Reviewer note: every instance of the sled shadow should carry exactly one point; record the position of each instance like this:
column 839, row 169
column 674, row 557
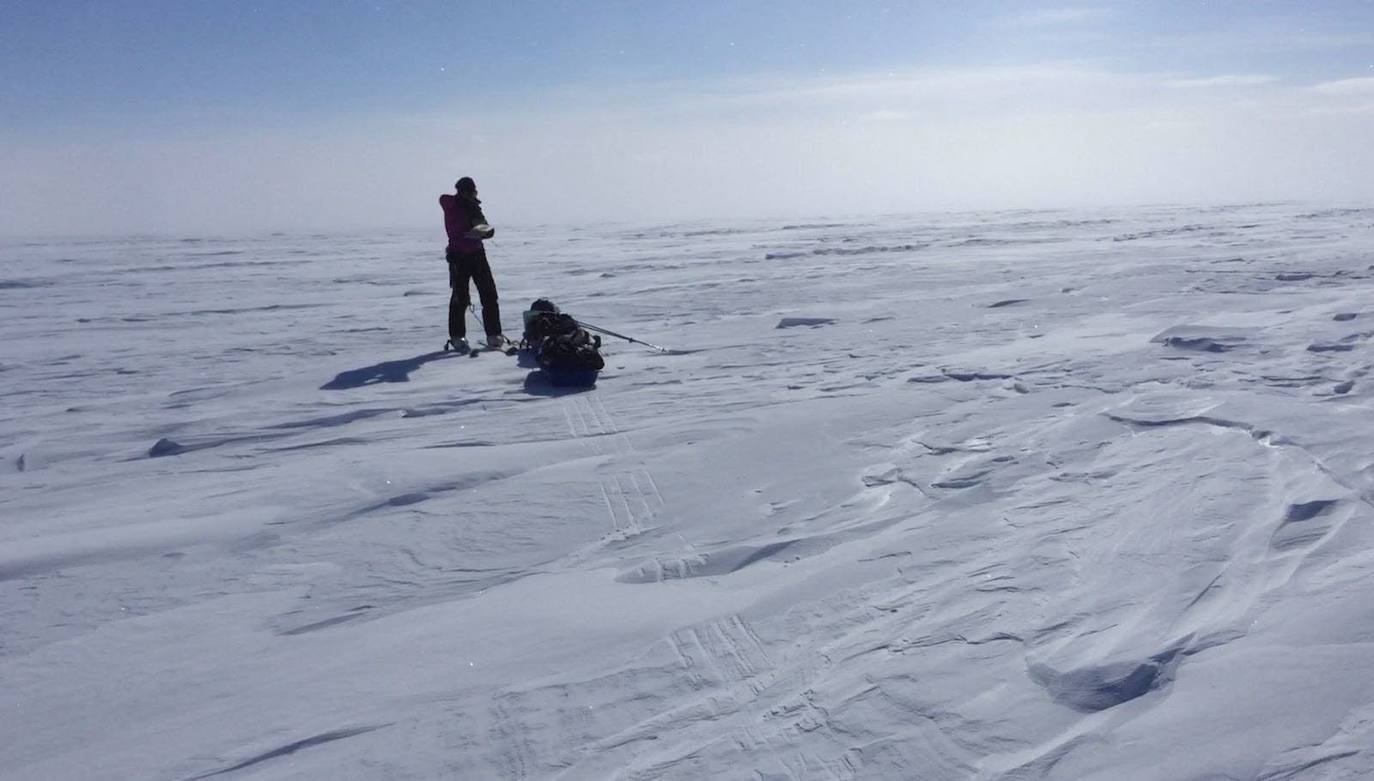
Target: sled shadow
column 386, row 371
column 536, row 384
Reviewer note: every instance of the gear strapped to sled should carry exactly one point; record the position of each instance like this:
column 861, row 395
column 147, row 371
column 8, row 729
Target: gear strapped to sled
column 567, row 353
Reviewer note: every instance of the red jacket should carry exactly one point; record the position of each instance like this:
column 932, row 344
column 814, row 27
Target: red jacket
column 460, row 215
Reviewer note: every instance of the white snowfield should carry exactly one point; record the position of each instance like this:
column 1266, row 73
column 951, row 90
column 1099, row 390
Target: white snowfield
column 1014, row 495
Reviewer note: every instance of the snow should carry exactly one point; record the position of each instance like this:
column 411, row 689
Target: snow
column 1069, row 495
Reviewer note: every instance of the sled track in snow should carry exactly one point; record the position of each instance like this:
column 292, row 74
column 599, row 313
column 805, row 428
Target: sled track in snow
column 632, row 500
column 632, row 497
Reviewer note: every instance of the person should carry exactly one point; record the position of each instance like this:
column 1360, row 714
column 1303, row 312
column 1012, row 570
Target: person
column 467, row 262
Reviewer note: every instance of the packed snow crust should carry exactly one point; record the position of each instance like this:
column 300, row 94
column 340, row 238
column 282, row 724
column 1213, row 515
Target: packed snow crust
column 1033, row 494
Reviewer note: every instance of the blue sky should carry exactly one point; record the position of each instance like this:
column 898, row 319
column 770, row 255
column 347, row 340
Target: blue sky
column 190, row 109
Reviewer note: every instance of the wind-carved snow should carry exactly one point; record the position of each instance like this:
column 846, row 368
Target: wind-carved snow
column 1013, row 495
column 793, row 322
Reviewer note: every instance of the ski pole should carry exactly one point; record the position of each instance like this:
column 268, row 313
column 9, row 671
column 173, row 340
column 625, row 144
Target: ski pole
column 609, row 332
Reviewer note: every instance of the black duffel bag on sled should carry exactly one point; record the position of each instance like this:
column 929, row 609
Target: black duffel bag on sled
column 566, row 352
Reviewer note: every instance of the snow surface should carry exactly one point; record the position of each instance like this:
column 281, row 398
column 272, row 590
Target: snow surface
column 989, row 495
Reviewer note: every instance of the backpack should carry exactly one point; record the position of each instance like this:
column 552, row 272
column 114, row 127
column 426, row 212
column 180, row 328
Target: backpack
column 542, row 325
column 542, row 319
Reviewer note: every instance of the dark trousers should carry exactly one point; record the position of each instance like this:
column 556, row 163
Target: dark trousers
column 465, row 267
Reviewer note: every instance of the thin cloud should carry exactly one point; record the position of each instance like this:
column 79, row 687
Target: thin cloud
column 884, row 115
column 1048, row 17
column 1247, row 42
column 1224, row 81
column 1358, row 86
column 923, row 91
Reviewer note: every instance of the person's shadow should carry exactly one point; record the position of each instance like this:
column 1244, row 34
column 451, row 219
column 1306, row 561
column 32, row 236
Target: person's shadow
column 386, row 371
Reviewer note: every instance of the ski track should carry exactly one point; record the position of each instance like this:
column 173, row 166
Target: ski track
column 1013, row 495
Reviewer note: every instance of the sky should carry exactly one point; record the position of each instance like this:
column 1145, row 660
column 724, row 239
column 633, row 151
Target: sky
column 204, row 117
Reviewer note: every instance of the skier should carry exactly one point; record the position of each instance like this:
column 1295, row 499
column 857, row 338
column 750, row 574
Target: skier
column 467, row 261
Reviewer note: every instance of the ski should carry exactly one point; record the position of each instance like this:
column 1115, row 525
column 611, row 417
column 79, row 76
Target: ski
column 450, row 347
column 476, row 351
